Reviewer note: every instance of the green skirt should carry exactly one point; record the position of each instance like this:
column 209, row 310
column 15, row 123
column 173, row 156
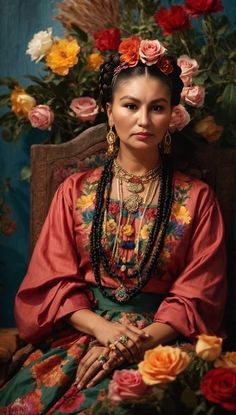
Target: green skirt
column 46, row 383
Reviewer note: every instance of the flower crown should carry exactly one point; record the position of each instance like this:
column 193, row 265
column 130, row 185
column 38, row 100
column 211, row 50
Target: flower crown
column 150, row 52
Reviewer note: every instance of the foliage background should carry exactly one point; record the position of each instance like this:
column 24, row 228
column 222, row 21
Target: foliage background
column 20, row 20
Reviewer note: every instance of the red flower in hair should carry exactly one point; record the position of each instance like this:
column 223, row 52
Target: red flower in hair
column 108, row 39
column 165, row 65
column 172, row 20
column 198, row 7
column 129, row 50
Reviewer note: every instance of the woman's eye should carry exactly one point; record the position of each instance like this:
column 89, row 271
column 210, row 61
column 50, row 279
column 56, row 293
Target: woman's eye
column 157, row 108
column 130, row 106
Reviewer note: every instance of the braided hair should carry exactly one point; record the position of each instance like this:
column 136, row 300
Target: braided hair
column 109, row 81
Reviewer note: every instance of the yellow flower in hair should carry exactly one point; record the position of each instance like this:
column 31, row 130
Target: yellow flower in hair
column 128, row 230
column 145, row 231
column 21, row 102
column 62, row 56
column 181, row 213
column 94, row 61
column 111, row 226
column 85, row 201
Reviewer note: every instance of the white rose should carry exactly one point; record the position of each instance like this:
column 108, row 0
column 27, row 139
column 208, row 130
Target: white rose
column 40, row 44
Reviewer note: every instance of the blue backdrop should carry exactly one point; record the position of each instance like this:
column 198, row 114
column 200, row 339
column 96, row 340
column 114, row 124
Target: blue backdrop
column 20, row 19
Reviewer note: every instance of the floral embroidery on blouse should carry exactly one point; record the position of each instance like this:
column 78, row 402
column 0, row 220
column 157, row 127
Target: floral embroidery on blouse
column 179, row 219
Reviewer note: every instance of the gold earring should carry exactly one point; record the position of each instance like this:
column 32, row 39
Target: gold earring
column 167, row 143
column 111, row 139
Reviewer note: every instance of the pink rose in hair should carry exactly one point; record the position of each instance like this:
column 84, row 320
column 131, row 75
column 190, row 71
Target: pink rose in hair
column 194, row 95
column 126, row 384
column 150, row 51
column 41, row 117
column 179, row 118
column 189, row 68
column 85, row 108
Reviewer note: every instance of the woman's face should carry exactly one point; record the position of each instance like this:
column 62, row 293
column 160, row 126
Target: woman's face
column 140, row 112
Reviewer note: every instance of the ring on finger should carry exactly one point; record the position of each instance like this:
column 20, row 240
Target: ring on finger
column 123, row 339
column 102, row 359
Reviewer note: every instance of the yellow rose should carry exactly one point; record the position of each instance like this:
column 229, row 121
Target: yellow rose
column 208, row 128
column 145, row 232
column 162, row 364
column 21, row 102
column 128, row 230
column 62, row 56
column 85, row 201
column 94, row 62
column 208, row 347
column 181, row 213
column 226, row 360
column 111, row 226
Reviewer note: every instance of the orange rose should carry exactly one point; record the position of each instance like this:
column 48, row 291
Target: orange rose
column 21, row 102
column 208, row 128
column 162, row 364
column 129, row 49
column 208, row 347
column 226, row 360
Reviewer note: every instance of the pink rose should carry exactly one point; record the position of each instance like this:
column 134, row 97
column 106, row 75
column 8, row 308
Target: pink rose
column 194, row 95
column 179, row 118
column 189, row 68
column 126, row 384
column 150, row 51
column 41, row 117
column 85, row 108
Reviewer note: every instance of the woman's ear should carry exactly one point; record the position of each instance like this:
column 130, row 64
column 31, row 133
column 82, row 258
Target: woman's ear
column 109, row 114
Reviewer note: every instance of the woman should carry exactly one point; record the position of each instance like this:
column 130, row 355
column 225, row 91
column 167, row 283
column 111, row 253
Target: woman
column 131, row 254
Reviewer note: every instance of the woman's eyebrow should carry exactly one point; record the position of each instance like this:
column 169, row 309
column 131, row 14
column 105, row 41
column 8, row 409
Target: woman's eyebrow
column 136, row 99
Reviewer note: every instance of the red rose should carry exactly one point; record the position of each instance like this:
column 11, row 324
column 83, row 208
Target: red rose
column 198, row 7
column 219, row 386
column 172, row 20
column 107, row 39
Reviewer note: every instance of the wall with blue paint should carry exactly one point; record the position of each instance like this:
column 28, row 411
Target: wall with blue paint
column 19, row 20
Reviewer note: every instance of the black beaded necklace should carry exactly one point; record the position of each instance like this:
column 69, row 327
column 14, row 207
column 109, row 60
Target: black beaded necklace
column 155, row 241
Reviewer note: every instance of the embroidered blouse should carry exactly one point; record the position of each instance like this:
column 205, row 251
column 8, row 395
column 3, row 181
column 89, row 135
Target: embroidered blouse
column 190, row 272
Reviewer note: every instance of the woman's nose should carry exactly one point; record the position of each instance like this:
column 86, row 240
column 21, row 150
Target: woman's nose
column 143, row 117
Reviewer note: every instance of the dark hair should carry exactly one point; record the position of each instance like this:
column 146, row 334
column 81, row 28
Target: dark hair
column 108, row 82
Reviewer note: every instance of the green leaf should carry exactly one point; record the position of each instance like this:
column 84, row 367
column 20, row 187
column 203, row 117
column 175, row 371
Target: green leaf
column 9, row 81
column 25, row 173
column 228, row 103
column 81, row 34
column 4, row 99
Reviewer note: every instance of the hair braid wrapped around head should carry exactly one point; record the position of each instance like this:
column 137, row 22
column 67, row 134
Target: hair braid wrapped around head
column 115, row 69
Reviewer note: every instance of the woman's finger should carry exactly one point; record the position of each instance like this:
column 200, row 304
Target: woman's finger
column 91, row 366
column 111, row 364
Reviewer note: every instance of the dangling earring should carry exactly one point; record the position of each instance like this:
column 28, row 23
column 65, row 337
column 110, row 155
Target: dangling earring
column 167, row 143
column 111, row 139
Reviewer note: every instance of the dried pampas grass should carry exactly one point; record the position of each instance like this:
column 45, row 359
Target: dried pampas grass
column 89, row 16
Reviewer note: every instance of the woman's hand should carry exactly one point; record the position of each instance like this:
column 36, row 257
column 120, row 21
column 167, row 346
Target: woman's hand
column 125, row 338
column 96, row 365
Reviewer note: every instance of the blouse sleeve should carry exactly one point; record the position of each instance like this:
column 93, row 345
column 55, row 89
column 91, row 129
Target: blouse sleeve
column 53, row 286
column 196, row 301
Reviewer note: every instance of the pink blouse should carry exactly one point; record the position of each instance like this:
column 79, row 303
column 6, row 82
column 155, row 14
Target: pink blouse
column 190, row 270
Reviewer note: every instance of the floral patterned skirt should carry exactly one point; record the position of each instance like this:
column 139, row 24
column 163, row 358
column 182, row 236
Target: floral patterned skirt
column 46, row 383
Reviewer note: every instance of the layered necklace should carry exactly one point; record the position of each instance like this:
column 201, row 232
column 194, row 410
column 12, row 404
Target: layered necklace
column 144, row 265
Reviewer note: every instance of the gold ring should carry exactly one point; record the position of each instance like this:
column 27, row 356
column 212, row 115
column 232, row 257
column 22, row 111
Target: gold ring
column 123, row 339
column 102, row 359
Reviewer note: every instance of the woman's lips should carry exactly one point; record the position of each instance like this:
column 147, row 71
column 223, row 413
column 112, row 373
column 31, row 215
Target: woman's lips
column 143, row 136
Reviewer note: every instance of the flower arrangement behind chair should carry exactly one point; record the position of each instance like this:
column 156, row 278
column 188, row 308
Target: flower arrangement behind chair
column 65, row 100
column 186, row 380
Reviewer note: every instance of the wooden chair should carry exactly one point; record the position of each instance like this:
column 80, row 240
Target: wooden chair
column 51, row 164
